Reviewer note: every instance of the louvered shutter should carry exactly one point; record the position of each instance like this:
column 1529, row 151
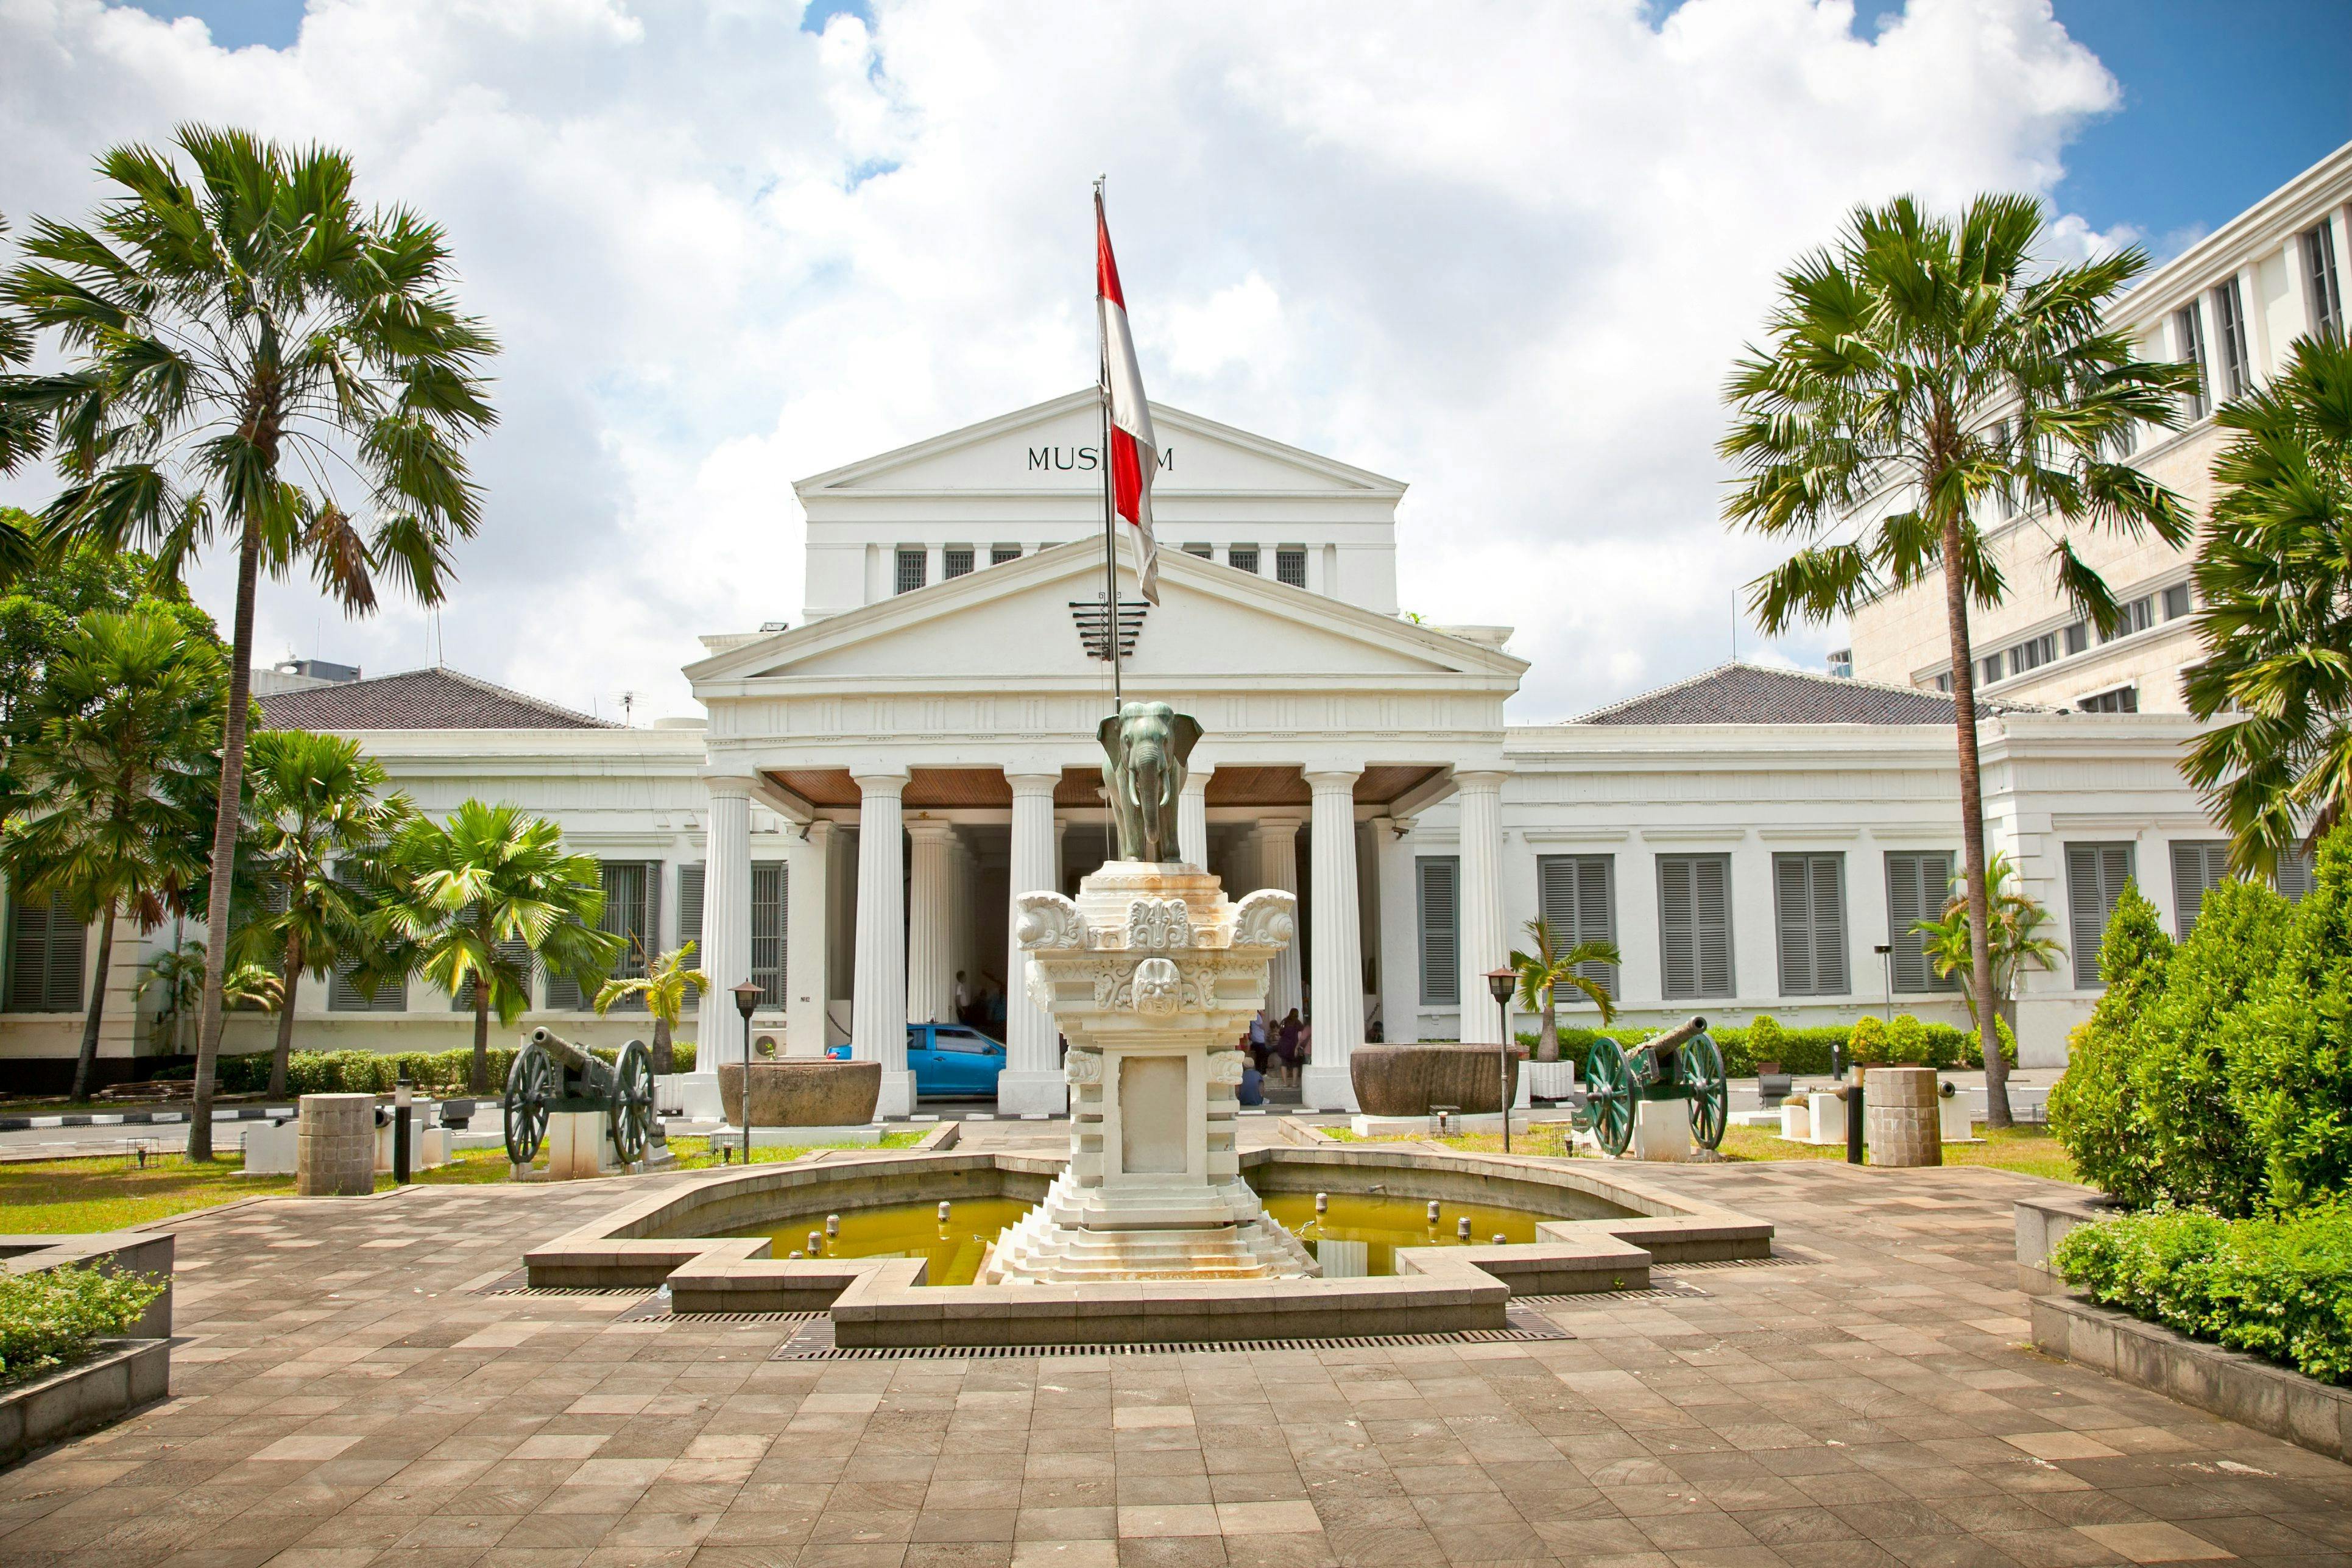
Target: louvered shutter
column 1917, row 882
column 1712, row 884
column 2196, row 865
column 1695, row 925
column 1578, row 895
column 689, row 908
column 342, row 996
column 1809, row 910
column 632, row 912
column 2293, row 876
column 1439, row 886
column 2096, row 875
column 769, row 881
column 515, row 951
column 46, row 955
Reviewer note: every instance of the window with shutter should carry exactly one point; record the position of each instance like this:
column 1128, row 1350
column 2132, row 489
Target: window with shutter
column 2198, row 864
column 1439, row 880
column 2292, row 876
column 769, row 881
column 1809, row 910
column 1290, row 567
column 689, row 908
column 46, row 955
column 1694, row 926
column 956, row 561
column 2095, row 876
column 342, row 996
column 1917, row 883
column 632, row 913
column 913, row 567
column 998, row 555
column 1577, row 894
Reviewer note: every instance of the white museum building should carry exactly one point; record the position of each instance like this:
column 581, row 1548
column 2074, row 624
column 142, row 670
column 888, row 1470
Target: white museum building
column 875, row 781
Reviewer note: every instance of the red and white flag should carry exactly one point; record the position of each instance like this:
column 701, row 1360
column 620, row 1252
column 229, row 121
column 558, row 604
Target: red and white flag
column 1134, row 454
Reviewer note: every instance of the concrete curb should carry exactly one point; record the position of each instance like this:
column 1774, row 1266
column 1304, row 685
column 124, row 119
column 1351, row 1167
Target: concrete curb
column 125, row 1375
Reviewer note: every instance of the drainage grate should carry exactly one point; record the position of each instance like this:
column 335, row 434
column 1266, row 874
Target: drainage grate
column 656, row 1309
column 518, row 1284
column 1776, row 1260
column 1661, row 1290
column 813, row 1342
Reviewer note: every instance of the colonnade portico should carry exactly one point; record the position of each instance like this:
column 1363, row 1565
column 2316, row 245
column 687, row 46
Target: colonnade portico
column 941, row 852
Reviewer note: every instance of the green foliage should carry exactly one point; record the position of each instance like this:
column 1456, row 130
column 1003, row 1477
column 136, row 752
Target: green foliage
column 2275, row 583
column 2094, row 1108
column 1868, row 1042
column 1767, row 1040
column 2015, row 935
column 2279, row 1289
column 375, row 1072
column 50, row 1316
column 1907, row 1041
column 1551, row 965
column 1801, row 1052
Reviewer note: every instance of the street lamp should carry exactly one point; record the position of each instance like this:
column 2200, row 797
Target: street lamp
column 747, row 997
column 1501, row 983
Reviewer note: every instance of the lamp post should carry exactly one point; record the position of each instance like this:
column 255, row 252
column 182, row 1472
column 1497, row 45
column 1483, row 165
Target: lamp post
column 1501, row 983
column 747, row 997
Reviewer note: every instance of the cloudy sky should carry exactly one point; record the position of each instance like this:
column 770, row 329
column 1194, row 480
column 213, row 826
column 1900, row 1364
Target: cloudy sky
column 1503, row 252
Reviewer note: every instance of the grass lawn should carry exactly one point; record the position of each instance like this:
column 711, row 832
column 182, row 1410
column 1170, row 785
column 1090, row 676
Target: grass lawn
column 2027, row 1149
column 110, row 1191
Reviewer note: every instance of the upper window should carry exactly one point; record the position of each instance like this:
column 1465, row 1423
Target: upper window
column 1809, row 910
column 632, row 913
column 2138, row 617
column 2237, row 363
column 956, row 561
column 998, row 555
column 2189, row 347
column 2320, row 279
column 2034, row 653
column 1917, row 882
column 1242, row 558
column 1204, row 551
column 1578, row 897
column 2078, row 637
column 1694, row 926
column 2176, row 601
column 769, row 883
column 1944, row 682
column 2122, row 699
column 2097, row 875
column 2293, row 876
column 1989, row 669
column 44, row 957
column 1439, row 889
column 914, row 567
column 1290, row 566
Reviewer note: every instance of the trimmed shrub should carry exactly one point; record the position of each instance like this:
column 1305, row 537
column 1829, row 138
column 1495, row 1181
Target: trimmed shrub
column 2288, row 1049
column 2279, row 1288
column 1866, row 1042
column 2093, row 1108
column 1907, row 1041
column 51, row 1315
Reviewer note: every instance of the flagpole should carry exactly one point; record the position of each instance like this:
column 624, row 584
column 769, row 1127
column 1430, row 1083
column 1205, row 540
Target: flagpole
column 1111, row 505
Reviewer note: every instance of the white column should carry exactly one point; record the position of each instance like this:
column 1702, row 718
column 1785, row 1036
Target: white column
column 726, row 951
column 1278, row 867
column 877, row 1031
column 1479, row 796
column 1338, row 955
column 928, row 934
column 806, row 938
column 1031, row 1081
column 1192, row 816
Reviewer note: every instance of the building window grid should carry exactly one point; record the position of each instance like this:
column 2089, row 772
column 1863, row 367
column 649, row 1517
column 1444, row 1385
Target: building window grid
column 1242, row 558
column 47, row 951
column 1290, row 566
column 2198, row 865
column 1577, row 894
column 1437, row 886
column 632, row 913
column 2189, row 347
column 2121, row 699
column 1201, row 550
column 1809, row 909
column 956, row 561
column 2034, row 653
column 2320, row 277
column 2230, row 314
column 914, row 568
column 769, row 883
column 998, row 555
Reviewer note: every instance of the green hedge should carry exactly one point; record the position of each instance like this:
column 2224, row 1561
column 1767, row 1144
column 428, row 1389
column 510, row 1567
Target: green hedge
column 50, row 1316
column 2279, row 1288
column 1805, row 1052
column 374, row 1073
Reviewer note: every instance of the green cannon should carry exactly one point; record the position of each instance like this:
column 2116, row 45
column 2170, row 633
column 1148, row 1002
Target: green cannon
column 1683, row 1063
column 553, row 1074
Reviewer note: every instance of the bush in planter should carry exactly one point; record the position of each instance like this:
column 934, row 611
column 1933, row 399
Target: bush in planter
column 52, row 1315
column 2094, row 1108
column 2279, row 1289
column 1906, row 1042
column 1866, row 1042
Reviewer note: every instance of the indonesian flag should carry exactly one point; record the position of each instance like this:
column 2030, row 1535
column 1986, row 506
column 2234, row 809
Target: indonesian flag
column 1134, row 454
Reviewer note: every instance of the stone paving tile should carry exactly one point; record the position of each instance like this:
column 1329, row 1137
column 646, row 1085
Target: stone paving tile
column 341, row 1404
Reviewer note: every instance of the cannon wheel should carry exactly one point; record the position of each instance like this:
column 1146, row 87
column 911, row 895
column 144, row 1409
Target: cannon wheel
column 629, row 1106
column 1700, row 1072
column 530, row 1087
column 1609, row 1095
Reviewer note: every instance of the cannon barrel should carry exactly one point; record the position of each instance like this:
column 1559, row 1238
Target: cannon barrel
column 591, row 1069
column 1677, row 1034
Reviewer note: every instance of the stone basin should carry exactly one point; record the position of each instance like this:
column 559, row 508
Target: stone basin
column 1407, row 1080
column 811, row 1093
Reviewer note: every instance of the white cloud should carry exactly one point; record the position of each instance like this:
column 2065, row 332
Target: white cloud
column 1503, row 252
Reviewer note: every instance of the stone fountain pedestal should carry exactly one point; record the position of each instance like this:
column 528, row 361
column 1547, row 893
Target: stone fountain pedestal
column 1152, row 975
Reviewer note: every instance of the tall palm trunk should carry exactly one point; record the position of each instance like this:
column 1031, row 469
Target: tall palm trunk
column 1964, row 718
column 224, row 826
column 481, row 1078
column 86, row 1062
column 1548, row 1038
column 662, row 1060
column 282, row 1055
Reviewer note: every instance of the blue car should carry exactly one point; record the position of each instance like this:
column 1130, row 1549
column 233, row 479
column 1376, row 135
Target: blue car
column 949, row 1061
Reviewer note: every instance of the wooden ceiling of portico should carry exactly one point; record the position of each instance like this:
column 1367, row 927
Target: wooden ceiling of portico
column 945, row 789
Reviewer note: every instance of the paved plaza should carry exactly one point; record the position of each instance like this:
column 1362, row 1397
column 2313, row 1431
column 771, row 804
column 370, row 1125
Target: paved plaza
column 348, row 1394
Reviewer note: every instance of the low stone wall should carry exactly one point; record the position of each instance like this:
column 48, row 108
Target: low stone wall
column 2042, row 1222
column 122, row 1377
column 2230, row 1384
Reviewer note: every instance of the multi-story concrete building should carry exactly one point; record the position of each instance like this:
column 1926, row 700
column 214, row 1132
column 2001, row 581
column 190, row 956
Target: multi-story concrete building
column 2232, row 304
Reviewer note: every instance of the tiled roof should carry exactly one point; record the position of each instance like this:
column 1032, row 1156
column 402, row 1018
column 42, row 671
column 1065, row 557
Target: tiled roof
column 419, row 699
column 1753, row 694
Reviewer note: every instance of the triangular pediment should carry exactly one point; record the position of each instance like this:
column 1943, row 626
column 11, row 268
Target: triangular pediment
column 1014, row 623
column 1050, row 449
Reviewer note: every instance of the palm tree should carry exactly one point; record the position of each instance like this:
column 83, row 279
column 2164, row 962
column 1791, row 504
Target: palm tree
column 178, row 973
column 22, row 432
column 1543, row 972
column 318, row 809
column 1918, row 372
column 664, row 988
column 2017, row 920
column 458, row 894
column 255, row 359
column 129, row 718
column 2276, row 582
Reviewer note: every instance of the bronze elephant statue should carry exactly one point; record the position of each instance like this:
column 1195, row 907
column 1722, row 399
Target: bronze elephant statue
column 1145, row 746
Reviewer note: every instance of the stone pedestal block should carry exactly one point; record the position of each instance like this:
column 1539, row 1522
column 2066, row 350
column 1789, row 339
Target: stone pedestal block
column 334, row 1145
column 1662, row 1131
column 1952, row 1112
column 1903, row 1125
column 578, row 1146
column 1826, row 1112
column 1796, row 1121
column 803, row 1093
